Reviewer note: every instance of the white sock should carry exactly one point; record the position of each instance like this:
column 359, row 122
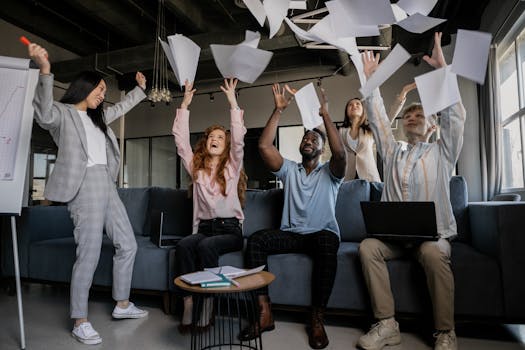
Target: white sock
column 188, row 310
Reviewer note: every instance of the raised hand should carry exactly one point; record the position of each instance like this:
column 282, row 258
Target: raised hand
column 279, row 96
column 437, row 60
column 39, row 55
column 141, row 80
column 370, row 63
column 229, row 90
column 323, row 110
column 406, row 89
column 188, row 94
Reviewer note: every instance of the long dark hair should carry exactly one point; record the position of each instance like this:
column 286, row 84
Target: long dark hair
column 79, row 90
column 347, row 122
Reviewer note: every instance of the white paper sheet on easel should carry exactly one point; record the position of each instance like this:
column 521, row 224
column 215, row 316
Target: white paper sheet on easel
column 414, row 6
column 257, row 9
column 417, row 23
column 343, row 26
column 276, row 11
column 389, row 66
column 242, row 61
column 308, row 104
column 438, row 90
column 471, row 54
column 183, row 56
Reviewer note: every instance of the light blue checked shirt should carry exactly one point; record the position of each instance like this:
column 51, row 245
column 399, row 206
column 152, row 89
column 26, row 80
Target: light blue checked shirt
column 419, row 172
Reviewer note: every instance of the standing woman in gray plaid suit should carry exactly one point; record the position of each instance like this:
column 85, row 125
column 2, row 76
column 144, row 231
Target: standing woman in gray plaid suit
column 84, row 177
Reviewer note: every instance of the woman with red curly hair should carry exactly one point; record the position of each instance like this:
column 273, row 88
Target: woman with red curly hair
column 218, row 187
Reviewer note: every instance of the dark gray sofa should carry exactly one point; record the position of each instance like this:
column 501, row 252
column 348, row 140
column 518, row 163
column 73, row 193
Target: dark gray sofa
column 487, row 257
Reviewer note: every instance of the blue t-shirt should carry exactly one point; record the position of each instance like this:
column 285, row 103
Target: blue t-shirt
column 309, row 200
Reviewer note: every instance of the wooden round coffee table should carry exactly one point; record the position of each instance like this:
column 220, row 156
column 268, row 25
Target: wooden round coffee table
column 218, row 313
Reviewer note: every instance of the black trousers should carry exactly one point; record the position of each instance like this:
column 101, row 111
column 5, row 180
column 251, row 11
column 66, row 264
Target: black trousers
column 321, row 246
column 202, row 249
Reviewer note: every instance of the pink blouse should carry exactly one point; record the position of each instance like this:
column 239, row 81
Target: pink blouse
column 208, row 201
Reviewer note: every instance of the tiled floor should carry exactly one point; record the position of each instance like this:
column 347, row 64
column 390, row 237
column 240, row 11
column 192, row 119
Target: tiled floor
column 48, row 327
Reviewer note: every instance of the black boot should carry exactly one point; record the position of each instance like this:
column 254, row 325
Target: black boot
column 317, row 338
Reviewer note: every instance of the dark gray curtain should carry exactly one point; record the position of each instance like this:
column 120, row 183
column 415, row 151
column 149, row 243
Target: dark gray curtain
column 490, row 130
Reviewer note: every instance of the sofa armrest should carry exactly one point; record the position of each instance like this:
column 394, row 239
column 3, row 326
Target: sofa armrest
column 497, row 230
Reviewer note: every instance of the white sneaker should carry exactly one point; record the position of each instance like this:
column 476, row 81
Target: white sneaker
column 130, row 312
column 85, row 334
column 445, row 341
column 385, row 332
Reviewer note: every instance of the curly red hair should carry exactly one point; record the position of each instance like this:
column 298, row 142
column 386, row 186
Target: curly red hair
column 201, row 157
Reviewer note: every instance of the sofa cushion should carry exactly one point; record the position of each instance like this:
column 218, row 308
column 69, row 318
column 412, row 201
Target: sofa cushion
column 53, row 259
column 136, row 201
column 262, row 210
column 177, row 208
column 459, row 201
column 348, row 209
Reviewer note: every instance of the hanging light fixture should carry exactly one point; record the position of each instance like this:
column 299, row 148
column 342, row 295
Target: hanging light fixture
column 160, row 91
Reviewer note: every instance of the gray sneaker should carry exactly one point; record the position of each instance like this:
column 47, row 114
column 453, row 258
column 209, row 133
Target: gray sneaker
column 445, row 341
column 383, row 333
column 85, row 334
column 130, row 312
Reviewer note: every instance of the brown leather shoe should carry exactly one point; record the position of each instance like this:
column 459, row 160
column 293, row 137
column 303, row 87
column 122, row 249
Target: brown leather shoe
column 317, row 338
column 265, row 321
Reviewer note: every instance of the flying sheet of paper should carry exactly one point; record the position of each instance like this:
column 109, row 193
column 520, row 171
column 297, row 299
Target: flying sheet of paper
column 309, row 105
column 257, row 9
column 298, row 4
column 368, row 12
column 276, row 11
column 389, row 66
column 417, row 23
column 414, row 6
column 323, row 30
column 302, row 34
column 252, row 39
column 438, row 90
column 242, row 61
column 183, row 56
column 358, row 63
column 342, row 24
column 399, row 13
column 471, row 54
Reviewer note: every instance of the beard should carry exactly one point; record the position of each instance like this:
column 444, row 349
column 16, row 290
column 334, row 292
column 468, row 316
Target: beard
column 309, row 155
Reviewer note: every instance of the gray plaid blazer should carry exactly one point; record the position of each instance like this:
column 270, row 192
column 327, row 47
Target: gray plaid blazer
column 66, row 128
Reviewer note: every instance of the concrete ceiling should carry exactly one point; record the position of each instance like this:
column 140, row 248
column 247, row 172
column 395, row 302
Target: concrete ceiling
column 117, row 36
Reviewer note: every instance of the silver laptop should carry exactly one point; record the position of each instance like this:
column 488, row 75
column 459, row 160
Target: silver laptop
column 404, row 221
column 157, row 231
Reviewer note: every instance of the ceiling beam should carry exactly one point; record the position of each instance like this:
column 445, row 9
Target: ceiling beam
column 141, row 57
column 191, row 14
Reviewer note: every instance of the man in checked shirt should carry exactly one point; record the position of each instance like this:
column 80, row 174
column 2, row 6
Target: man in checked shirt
column 414, row 171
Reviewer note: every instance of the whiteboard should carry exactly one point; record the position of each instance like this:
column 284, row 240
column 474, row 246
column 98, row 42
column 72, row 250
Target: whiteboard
column 17, row 89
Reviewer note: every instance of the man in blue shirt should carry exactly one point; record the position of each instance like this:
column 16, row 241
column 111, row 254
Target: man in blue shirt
column 308, row 223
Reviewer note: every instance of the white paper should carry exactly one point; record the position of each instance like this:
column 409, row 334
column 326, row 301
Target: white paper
column 343, row 24
column 389, row 66
column 302, row 34
column 257, row 9
column 358, row 63
column 298, row 4
column 437, row 90
column 414, row 6
column 276, row 11
column 234, row 272
column 368, row 12
column 183, row 56
column 471, row 54
column 324, row 31
column 309, row 105
column 251, row 39
column 417, row 23
column 399, row 13
column 200, row 277
column 242, row 61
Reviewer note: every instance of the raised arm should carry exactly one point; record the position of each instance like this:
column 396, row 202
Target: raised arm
column 453, row 117
column 338, row 159
column 131, row 99
column 45, row 114
column 400, row 100
column 269, row 153
column 181, row 128
column 237, row 128
column 375, row 110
